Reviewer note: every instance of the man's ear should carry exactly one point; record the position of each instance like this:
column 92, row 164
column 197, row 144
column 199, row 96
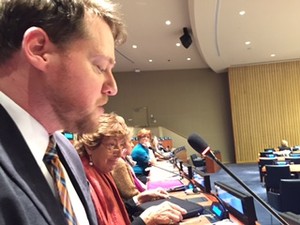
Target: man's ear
column 37, row 47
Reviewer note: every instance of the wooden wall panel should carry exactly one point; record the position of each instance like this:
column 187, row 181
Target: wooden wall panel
column 265, row 104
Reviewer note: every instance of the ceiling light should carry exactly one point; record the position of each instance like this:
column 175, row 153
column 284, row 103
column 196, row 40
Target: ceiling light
column 137, row 70
column 186, row 39
column 273, row 55
column 168, row 22
column 188, row 59
column 150, row 60
column 247, row 42
column 178, row 44
column 134, row 46
column 242, row 12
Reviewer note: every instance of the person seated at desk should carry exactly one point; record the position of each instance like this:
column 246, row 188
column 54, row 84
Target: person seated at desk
column 159, row 151
column 142, row 155
column 127, row 183
column 284, row 145
column 99, row 153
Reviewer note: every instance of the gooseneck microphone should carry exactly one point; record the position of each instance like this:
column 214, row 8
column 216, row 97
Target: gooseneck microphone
column 197, row 143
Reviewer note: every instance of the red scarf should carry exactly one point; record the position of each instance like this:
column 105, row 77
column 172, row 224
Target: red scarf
column 108, row 203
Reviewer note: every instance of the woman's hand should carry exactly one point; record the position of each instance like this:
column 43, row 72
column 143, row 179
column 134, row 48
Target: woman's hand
column 151, row 195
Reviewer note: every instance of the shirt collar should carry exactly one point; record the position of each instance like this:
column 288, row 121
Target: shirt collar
column 34, row 133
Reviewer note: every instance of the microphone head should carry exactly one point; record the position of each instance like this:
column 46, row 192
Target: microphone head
column 197, row 143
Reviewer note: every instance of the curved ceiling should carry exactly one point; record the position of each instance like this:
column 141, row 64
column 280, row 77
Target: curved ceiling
column 221, row 33
column 218, row 31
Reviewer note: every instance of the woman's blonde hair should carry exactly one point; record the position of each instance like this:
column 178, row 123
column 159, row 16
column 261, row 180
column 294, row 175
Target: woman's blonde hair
column 144, row 133
column 110, row 125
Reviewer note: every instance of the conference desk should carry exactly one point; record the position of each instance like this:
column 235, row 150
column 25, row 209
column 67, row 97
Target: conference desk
column 294, row 168
column 164, row 170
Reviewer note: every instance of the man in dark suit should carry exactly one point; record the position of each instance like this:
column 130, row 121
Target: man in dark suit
column 56, row 63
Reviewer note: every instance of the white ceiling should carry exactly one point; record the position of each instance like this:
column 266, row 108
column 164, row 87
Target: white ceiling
column 218, row 31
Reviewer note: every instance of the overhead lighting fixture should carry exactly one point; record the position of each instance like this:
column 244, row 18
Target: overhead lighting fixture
column 273, row 55
column 186, row 39
column 168, row 22
column 188, row 59
column 247, row 42
column 242, row 12
column 150, row 60
column 178, row 44
column 134, row 46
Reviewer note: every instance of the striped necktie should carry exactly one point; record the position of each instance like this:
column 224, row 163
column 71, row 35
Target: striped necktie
column 55, row 168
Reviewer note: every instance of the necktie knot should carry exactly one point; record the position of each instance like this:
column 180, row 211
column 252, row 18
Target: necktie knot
column 51, row 152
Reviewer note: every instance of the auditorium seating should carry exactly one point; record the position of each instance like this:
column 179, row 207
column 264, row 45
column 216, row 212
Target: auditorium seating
column 274, row 173
column 292, row 160
column 287, row 199
column 198, row 161
column 262, row 163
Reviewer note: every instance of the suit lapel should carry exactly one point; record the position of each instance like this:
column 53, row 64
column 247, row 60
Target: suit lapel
column 73, row 165
column 20, row 165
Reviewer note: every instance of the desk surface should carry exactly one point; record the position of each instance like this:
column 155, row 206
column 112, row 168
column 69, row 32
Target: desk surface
column 294, row 168
column 164, row 170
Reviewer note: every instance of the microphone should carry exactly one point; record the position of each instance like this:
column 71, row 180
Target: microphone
column 198, row 144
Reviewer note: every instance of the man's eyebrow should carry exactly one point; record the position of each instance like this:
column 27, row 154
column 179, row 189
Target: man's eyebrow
column 101, row 56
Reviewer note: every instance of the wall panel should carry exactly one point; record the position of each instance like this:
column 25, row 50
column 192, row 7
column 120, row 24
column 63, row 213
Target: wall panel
column 265, row 105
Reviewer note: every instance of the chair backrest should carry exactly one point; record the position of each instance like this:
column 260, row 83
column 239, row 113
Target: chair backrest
column 274, row 173
column 197, row 161
column 269, row 150
column 294, row 160
column 283, row 148
column 267, row 161
column 193, row 156
column 267, row 154
column 289, row 196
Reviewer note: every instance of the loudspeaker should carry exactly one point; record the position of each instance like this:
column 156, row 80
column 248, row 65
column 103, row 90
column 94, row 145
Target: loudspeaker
column 186, row 39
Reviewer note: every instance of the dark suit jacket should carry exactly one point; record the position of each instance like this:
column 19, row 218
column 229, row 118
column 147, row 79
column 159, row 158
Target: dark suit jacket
column 25, row 196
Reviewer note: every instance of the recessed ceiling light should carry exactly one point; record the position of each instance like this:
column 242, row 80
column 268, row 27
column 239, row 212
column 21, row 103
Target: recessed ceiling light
column 150, row 60
column 168, row 22
column 137, row 70
column 242, row 12
column 188, row 59
column 178, row 44
column 247, row 42
column 273, row 55
column 134, row 46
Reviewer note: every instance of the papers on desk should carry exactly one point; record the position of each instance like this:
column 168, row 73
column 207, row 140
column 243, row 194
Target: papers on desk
column 168, row 185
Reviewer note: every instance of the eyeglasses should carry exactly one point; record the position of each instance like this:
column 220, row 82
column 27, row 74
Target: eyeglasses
column 111, row 146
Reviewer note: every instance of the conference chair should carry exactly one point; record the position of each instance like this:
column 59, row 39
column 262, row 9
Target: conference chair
column 262, row 163
column 197, row 161
column 267, row 154
column 292, row 160
column 284, row 148
column 269, row 150
column 287, row 199
column 294, row 155
column 274, row 173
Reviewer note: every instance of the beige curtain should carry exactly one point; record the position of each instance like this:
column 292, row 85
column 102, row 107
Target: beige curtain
column 265, row 104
